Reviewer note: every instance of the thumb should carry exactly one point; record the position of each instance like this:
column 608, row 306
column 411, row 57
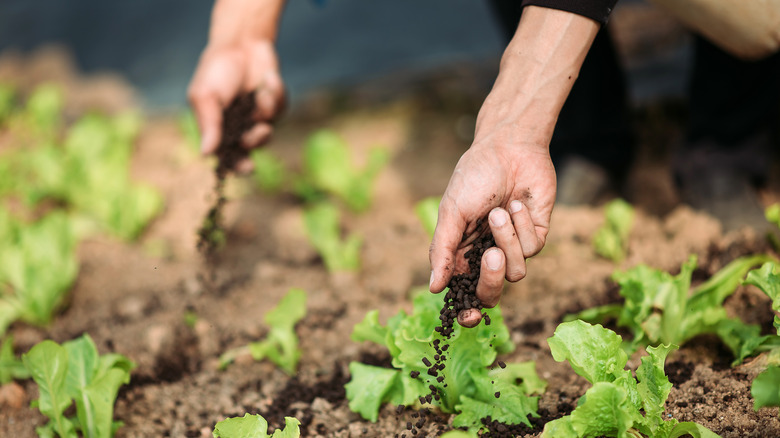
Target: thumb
column 446, row 239
column 208, row 112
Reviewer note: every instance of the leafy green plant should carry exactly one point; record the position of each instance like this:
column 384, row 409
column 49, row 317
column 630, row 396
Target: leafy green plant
column 74, row 371
column 11, row 367
column 617, row 405
column 7, row 101
column 765, row 386
column 188, row 125
column 427, row 211
column 255, row 426
column 270, row 173
column 87, row 172
column 658, row 308
column 38, row 266
column 468, row 387
column 772, row 214
column 328, row 169
column 611, row 240
column 280, row 346
column 323, row 227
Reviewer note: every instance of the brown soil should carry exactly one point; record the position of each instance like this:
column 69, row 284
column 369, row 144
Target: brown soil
column 132, row 299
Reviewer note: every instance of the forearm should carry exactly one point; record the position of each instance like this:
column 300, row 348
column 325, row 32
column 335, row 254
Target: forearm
column 537, row 72
column 236, row 21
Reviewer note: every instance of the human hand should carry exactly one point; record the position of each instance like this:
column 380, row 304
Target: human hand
column 224, row 72
column 511, row 183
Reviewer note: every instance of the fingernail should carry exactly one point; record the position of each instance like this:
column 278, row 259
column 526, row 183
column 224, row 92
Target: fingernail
column 430, row 283
column 497, row 217
column 493, row 259
column 515, row 206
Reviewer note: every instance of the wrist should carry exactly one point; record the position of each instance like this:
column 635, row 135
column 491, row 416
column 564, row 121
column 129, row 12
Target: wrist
column 537, row 71
column 238, row 22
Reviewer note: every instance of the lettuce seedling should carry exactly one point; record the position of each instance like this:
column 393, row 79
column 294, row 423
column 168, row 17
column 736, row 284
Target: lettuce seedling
column 269, row 173
column 611, row 240
column 468, row 386
column 88, row 173
column 658, row 308
column 72, row 372
column 766, row 388
column 255, row 426
column 38, row 266
column 772, row 214
column 328, row 169
column 427, row 211
column 617, row 405
column 323, row 227
column 11, row 367
column 280, row 346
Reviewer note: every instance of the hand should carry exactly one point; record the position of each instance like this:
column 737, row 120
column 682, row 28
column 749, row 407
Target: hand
column 511, row 183
column 224, row 72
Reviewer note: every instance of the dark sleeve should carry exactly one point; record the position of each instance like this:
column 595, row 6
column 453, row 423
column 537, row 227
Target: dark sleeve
column 598, row 10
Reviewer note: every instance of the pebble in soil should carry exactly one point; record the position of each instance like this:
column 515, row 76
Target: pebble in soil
column 236, row 120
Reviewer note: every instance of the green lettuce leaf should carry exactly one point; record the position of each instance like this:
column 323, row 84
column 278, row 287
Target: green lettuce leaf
column 269, row 172
column 328, row 168
column 593, row 352
column 427, row 211
column 254, row 426
column 767, row 279
column 281, row 345
column 322, row 223
column 466, row 388
column 47, row 363
column 766, row 388
column 611, row 239
column 11, row 367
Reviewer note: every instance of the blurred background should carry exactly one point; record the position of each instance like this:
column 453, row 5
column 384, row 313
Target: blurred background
column 155, row 44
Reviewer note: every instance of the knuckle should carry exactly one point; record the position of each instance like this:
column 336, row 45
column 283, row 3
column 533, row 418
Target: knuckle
column 515, row 275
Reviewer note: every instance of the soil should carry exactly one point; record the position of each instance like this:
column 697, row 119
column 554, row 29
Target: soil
column 136, row 299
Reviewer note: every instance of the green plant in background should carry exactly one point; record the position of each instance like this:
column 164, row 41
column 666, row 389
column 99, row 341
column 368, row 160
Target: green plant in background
column 270, row 173
column 11, row 367
column 611, row 240
column 280, row 346
column 617, row 405
column 427, row 211
column 74, row 371
column 188, row 125
column 255, row 426
column 7, row 101
column 468, row 387
column 323, row 227
column 772, row 214
column 658, row 308
column 328, row 169
column 38, row 266
column 766, row 386
column 87, row 172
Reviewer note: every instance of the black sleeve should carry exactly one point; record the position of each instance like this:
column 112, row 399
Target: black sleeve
column 598, row 10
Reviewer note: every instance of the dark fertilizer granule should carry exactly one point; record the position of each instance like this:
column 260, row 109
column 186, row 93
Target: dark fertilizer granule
column 462, row 293
column 236, row 120
column 461, row 296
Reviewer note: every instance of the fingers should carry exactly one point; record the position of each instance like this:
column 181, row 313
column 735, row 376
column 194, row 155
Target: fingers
column 257, row 135
column 270, row 98
column 208, row 112
column 526, row 229
column 469, row 318
column 506, row 238
column 446, row 238
column 491, row 277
